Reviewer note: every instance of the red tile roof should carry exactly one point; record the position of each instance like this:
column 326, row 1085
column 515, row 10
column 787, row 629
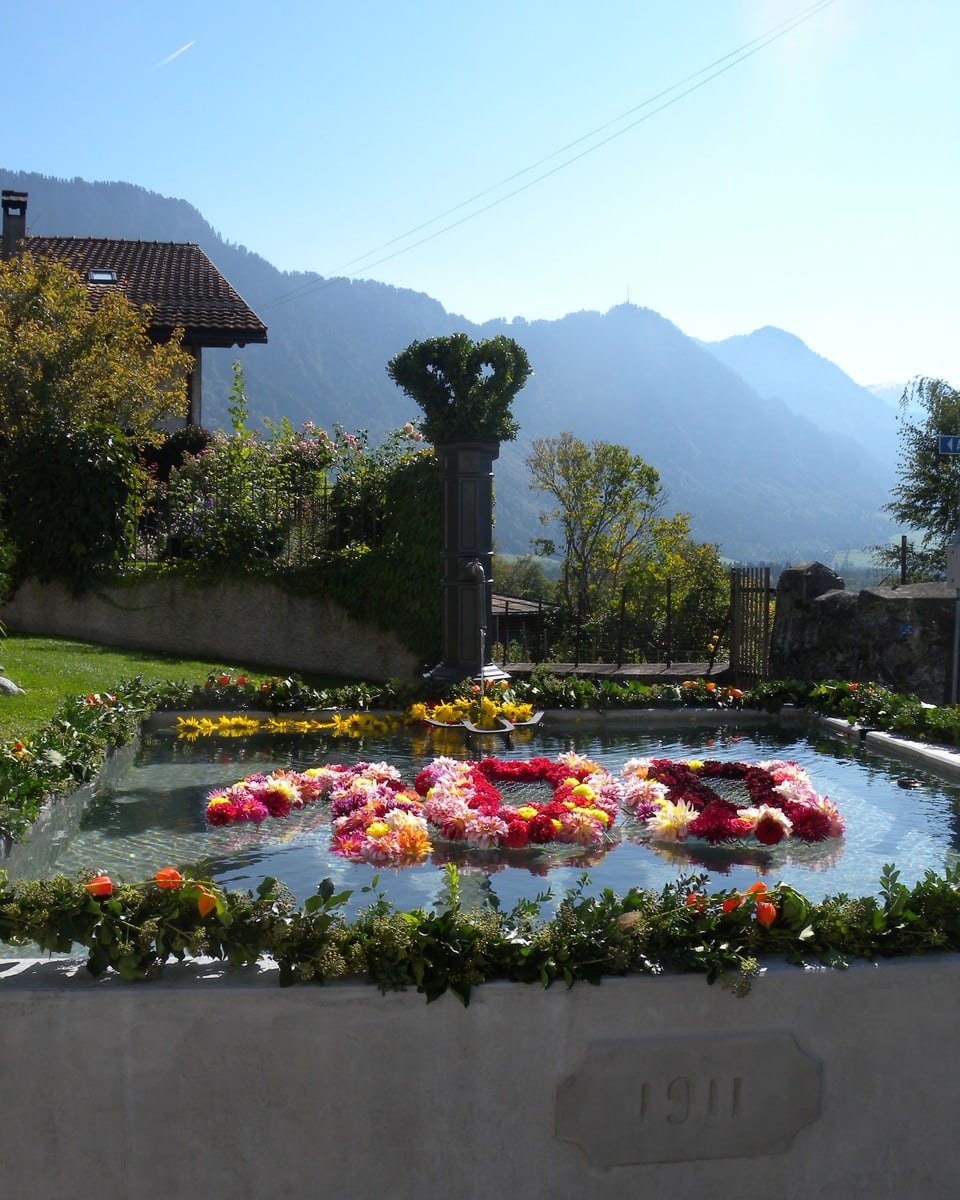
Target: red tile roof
column 177, row 280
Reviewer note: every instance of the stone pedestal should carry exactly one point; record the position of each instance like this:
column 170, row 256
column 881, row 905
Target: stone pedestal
column 466, row 554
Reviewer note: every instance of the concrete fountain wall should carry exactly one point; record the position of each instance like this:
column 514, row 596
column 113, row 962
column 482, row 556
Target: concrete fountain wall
column 218, row 1083
column 221, row 1084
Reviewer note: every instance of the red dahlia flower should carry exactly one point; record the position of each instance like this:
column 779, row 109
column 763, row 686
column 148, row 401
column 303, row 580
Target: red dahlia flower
column 769, row 831
column 540, row 828
column 517, row 835
column 809, row 824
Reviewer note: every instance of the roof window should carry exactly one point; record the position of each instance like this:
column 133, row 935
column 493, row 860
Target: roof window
column 101, row 275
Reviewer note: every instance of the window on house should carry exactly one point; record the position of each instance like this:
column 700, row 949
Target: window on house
column 101, row 275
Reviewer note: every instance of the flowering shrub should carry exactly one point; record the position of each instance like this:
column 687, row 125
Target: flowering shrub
column 223, row 690
column 545, row 689
column 67, row 752
column 244, row 497
column 132, row 928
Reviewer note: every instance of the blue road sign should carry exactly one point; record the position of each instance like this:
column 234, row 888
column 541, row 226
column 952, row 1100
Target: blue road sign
column 949, row 443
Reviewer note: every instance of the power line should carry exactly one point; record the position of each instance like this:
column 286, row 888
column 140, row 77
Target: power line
column 722, row 65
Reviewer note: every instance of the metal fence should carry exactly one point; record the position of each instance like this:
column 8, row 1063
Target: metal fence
column 534, row 631
column 750, row 623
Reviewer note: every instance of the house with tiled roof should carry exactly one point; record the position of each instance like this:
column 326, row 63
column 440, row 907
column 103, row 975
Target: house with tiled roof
column 176, row 279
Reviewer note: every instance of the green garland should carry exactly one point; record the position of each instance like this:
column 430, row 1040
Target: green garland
column 136, row 928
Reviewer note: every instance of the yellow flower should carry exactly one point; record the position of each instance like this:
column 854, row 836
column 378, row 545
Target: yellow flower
column 488, row 714
column 447, row 714
column 377, row 829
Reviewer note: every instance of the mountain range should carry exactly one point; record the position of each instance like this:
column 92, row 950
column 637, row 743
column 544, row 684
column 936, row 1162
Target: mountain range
column 774, row 452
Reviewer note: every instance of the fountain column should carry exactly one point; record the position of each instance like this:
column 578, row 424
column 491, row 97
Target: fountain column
column 466, row 559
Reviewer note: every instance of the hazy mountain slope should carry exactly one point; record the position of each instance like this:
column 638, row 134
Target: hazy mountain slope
column 329, row 340
column 759, row 479
column 776, row 363
column 889, row 393
column 739, row 464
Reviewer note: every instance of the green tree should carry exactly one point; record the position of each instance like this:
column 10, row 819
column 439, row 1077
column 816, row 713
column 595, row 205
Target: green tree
column 80, row 385
column 926, row 498
column 66, row 363
column 523, row 577
column 678, row 588
column 465, row 389
column 618, row 549
column 607, row 503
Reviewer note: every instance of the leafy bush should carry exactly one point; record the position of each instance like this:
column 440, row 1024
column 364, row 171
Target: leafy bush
column 393, row 584
column 465, row 389
column 323, row 514
column 72, row 495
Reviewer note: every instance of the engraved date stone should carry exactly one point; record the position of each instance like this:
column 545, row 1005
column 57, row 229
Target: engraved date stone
column 675, row 1099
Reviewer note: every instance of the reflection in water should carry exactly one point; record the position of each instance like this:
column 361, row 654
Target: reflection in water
column 155, row 816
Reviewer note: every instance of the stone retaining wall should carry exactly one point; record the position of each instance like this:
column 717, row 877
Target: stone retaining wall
column 901, row 637
column 245, row 621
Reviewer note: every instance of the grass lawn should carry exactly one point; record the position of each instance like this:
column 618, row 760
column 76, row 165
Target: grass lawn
column 52, row 670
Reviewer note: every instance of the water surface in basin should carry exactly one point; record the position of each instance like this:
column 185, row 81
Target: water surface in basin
column 154, row 815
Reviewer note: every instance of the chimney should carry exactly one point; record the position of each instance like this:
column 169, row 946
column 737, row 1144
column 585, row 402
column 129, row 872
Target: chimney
column 14, row 221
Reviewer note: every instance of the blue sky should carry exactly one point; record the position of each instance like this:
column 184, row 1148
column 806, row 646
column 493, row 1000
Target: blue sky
column 811, row 184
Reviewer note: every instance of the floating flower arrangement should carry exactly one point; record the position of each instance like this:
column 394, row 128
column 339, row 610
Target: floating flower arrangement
column 487, row 709
column 679, row 800
column 373, row 817
column 376, row 818
column 463, row 803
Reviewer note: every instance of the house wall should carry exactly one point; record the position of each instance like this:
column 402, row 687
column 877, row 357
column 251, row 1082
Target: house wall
column 213, row 1082
column 244, row 621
